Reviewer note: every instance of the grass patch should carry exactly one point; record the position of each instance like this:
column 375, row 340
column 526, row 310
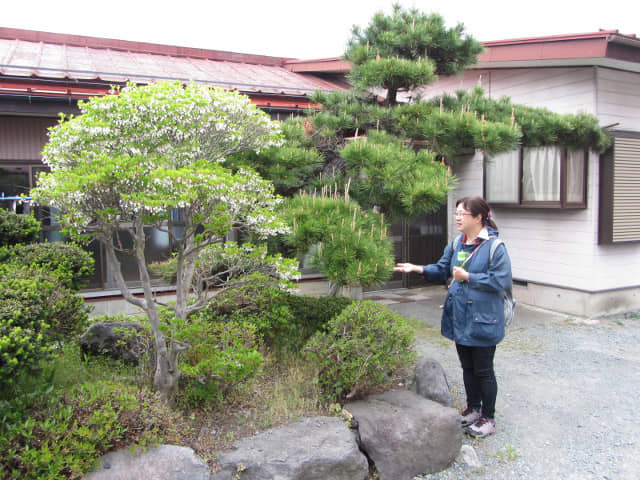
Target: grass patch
column 427, row 333
column 283, row 393
column 509, row 454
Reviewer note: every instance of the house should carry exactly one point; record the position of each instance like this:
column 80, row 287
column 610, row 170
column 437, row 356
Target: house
column 573, row 247
column 45, row 74
column 573, row 244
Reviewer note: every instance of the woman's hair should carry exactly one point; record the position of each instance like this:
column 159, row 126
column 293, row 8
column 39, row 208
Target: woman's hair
column 478, row 206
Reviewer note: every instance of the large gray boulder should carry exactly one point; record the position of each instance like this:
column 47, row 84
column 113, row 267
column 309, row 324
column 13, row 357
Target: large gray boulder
column 406, row 435
column 430, row 382
column 125, row 340
column 165, row 462
column 315, row 448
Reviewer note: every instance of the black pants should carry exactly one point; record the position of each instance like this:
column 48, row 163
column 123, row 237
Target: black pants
column 479, row 378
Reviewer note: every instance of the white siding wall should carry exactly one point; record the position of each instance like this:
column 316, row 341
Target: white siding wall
column 563, row 90
column 619, row 98
column 468, row 170
column 556, row 247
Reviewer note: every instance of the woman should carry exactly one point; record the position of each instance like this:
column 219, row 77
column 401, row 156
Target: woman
column 473, row 313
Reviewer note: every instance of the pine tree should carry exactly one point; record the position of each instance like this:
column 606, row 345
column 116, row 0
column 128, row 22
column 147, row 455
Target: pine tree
column 408, row 49
column 393, row 158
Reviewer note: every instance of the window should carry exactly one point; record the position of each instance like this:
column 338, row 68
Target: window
column 549, row 177
column 502, row 177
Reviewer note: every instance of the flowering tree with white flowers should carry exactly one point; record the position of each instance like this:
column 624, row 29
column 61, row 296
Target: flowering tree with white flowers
column 149, row 156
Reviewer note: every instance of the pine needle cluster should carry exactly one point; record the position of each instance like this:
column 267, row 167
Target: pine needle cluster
column 346, row 243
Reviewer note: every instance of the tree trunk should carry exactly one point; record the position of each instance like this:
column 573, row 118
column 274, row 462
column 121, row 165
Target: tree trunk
column 165, row 380
column 391, row 99
column 166, row 375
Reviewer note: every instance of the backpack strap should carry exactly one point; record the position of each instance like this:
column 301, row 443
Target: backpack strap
column 456, row 241
column 508, row 303
column 495, row 244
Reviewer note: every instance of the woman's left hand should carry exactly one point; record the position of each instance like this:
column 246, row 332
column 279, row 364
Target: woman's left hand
column 460, row 274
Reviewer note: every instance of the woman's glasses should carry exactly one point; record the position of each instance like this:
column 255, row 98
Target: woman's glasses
column 462, row 214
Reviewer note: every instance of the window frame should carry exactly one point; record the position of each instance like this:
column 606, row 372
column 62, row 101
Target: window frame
column 563, row 202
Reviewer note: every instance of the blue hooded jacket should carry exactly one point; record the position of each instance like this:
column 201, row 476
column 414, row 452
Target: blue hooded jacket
column 473, row 312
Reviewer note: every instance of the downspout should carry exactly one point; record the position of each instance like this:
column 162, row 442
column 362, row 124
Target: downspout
column 596, row 84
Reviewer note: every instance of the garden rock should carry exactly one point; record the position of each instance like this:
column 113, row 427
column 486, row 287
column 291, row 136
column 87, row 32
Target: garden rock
column 406, row 435
column 315, row 448
column 165, row 462
column 430, row 382
column 125, row 340
column 469, row 456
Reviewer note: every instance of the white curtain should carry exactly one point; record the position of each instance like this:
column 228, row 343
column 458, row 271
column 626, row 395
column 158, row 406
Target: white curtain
column 541, row 174
column 575, row 176
column 501, row 174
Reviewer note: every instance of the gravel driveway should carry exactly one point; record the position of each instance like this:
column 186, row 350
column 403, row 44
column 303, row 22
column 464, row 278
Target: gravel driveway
column 569, row 392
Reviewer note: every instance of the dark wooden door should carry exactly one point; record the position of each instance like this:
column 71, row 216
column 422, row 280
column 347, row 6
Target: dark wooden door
column 420, row 241
column 426, row 239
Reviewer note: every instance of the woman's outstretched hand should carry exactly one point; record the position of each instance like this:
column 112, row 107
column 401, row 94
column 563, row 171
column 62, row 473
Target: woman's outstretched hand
column 407, row 268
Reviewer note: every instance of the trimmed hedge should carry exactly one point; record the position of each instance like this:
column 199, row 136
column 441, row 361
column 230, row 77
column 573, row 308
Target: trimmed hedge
column 16, row 229
column 36, row 311
column 284, row 321
column 366, row 347
column 69, row 262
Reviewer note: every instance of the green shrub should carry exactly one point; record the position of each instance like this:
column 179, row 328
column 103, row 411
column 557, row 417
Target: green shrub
column 222, row 355
column 312, row 315
column 35, row 313
column 49, row 436
column 16, row 229
column 365, row 348
column 284, row 321
column 69, row 262
column 259, row 303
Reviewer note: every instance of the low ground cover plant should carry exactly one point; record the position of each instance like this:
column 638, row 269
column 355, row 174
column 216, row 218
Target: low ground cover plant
column 49, row 435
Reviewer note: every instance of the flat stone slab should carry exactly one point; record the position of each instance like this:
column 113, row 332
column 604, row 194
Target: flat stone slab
column 315, row 448
column 165, row 462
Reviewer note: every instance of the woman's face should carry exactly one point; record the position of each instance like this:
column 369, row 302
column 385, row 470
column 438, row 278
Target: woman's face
column 465, row 221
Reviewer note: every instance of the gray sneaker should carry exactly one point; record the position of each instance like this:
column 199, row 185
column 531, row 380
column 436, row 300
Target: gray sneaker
column 469, row 417
column 483, row 427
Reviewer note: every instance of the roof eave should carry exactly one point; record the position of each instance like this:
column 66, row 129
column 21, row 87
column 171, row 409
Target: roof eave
column 559, row 62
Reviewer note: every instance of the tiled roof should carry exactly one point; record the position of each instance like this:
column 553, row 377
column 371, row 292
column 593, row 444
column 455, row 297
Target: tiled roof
column 38, row 55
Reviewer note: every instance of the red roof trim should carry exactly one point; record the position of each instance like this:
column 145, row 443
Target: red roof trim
column 563, row 47
column 322, row 65
column 602, row 34
column 76, row 92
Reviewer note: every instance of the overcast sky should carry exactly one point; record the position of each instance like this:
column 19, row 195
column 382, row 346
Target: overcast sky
column 301, row 29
